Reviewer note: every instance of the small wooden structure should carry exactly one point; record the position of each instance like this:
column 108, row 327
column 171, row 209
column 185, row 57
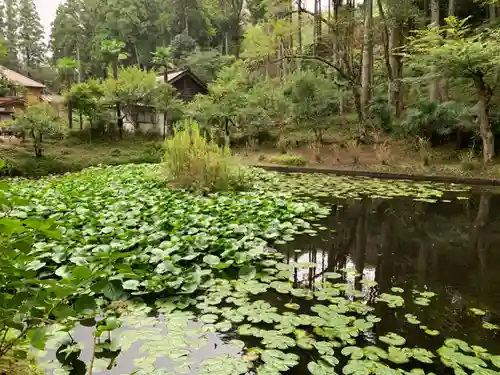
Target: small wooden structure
column 147, row 119
column 8, row 106
column 187, row 84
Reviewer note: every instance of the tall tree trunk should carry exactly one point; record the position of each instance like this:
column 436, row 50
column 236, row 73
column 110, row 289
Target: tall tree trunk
column 119, row 118
column 226, row 32
column 492, row 11
column 70, row 114
column 317, row 22
column 299, row 35
column 395, row 92
column 445, row 95
column 484, row 95
column 434, row 85
column 451, row 8
column 367, row 66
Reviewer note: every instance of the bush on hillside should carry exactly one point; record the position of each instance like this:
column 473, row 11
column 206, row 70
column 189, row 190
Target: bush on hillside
column 427, row 118
column 193, row 162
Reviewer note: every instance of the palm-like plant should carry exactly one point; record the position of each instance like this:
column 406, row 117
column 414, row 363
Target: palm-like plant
column 163, row 58
column 66, row 67
column 112, row 51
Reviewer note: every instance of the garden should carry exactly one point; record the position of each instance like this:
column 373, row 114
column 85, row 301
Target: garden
column 149, row 269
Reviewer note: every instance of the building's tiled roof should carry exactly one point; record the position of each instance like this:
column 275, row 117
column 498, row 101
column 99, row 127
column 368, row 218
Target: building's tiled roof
column 19, row 79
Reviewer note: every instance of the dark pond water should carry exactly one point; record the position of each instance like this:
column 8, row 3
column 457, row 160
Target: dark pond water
column 450, row 248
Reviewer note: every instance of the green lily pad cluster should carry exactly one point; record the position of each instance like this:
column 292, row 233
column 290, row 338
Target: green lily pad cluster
column 343, row 187
column 105, row 237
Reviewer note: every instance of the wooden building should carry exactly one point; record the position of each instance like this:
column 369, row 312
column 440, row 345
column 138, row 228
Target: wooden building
column 32, row 89
column 187, row 85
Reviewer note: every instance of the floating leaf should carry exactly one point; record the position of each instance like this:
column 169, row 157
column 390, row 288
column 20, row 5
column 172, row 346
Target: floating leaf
column 396, row 289
column 397, row 355
column 279, row 360
column 320, row 368
column 392, row 301
column 209, row 318
column 247, row 272
column 432, row 332
column 412, row 319
column 211, row 260
column 393, row 339
column 478, row 312
column 490, row 326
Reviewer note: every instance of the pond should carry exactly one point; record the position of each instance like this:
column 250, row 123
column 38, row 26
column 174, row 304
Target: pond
column 394, row 277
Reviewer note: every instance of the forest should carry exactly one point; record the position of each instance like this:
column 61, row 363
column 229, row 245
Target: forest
column 286, row 74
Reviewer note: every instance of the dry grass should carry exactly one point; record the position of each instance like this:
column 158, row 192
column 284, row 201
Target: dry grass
column 402, row 159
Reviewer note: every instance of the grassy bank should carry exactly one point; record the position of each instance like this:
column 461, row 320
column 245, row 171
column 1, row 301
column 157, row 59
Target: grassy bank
column 61, row 156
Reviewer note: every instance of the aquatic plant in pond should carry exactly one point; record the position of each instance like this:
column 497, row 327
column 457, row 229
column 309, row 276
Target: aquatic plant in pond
column 204, row 260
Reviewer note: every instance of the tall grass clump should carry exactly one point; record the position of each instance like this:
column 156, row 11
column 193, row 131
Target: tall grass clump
column 194, row 162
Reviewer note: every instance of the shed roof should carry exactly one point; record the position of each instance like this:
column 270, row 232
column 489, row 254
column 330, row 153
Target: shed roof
column 178, row 74
column 19, row 79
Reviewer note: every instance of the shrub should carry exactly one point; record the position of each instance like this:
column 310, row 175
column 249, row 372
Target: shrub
column 295, row 160
column 37, row 122
column 426, row 118
column 195, row 163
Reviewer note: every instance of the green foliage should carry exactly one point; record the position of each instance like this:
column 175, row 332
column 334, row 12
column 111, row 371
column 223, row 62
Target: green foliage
column 313, row 102
column 455, row 51
column 67, row 68
column 207, row 64
column 31, row 43
column 132, row 87
column 426, row 118
column 37, row 122
column 295, row 160
column 87, row 98
column 191, row 161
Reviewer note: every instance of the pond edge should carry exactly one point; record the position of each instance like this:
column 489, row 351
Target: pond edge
column 383, row 175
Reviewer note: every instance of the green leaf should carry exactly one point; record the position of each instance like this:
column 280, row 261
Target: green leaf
column 396, row 289
column 495, row 359
column 211, row 260
column 247, row 272
column 353, row 351
column 397, row 355
column 478, row 312
column 393, row 339
column 112, row 290
column 279, row 360
column 412, row 319
column 85, row 305
column 490, row 326
column 37, row 337
column 332, row 275
column 432, row 332
column 131, row 285
column 209, row 318
column 320, row 368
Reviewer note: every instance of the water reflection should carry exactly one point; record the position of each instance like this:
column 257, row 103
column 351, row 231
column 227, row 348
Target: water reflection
column 448, row 247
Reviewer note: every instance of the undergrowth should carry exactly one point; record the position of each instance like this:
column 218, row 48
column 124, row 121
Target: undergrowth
column 295, row 160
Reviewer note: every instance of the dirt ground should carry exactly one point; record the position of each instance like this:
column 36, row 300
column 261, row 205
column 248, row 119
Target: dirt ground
column 394, row 157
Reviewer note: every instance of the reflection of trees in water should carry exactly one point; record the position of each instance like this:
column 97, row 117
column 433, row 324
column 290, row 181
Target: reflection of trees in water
column 446, row 247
